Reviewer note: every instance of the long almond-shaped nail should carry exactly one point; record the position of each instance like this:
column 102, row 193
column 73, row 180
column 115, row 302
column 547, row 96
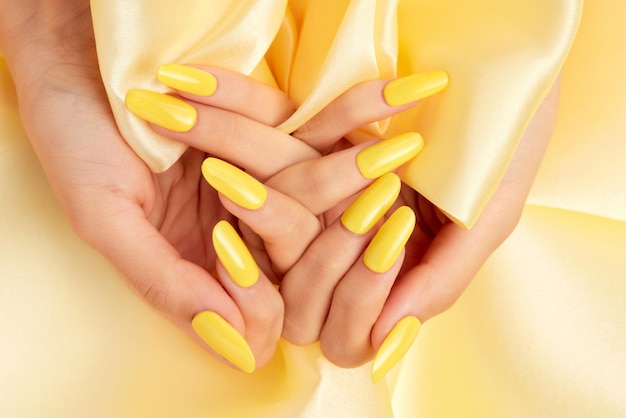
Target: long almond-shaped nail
column 234, row 255
column 163, row 110
column 235, row 184
column 224, row 339
column 389, row 241
column 395, row 346
column 188, row 79
column 372, row 204
column 388, row 154
column 414, row 87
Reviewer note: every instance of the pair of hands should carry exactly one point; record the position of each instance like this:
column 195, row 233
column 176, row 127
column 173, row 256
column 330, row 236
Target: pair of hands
column 330, row 291
column 156, row 228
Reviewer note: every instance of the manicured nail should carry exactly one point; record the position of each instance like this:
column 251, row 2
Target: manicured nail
column 224, row 339
column 163, row 110
column 389, row 154
column 188, row 79
column 395, row 346
column 235, row 184
column 414, row 87
column 389, row 241
column 234, row 255
column 372, row 204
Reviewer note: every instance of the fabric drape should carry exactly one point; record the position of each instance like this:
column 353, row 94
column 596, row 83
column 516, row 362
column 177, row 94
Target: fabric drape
column 501, row 58
column 539, row 333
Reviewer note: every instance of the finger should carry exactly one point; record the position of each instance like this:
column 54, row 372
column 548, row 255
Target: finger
column 345, row 338
column 259, row 302
column 426, row 290
column 286, row 227
column 308, row 287
column 184, row 292
column 368, row 102
column 359, row 298
column 228, row 90
column 436, row 283
column 261, row 149
column 322, row 183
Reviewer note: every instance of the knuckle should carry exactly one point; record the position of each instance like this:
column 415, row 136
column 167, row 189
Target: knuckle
column 305, row 132
column 298, row 333
column 162, row 293
column 231, row 129
column 156, row 295
column 338, row 352
column 322, row 131
column 319, row 189
column 325, row 268
column 350, row 299
column 345, row 344
column 276, row 105
column 302, row 225
column 263, row 329
column 269, row 318
column 440, row 295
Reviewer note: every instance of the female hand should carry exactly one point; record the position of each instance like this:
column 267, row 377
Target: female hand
column 156, row 229
column 441, row 257
column 317, row 269
column 341, row 308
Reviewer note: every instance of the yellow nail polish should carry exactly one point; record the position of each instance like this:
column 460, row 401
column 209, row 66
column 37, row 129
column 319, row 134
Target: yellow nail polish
column 414, row 87
column 395, row 346
column 389, row 241
column 389, row 154
column 235, row 184
column 188, row 79
column 372, row 204
column 224, row 339
column 234, row 255
column 163, row 110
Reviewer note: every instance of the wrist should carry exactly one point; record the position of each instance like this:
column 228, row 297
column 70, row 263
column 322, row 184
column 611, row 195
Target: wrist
column 43, row 28
column 46, row 41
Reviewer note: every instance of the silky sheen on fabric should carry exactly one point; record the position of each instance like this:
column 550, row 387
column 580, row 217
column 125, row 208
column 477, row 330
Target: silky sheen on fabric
column 539, row 333
column 501, row 57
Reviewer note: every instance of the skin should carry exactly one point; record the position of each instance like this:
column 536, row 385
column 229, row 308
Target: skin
column 156, row 228
column 347, row 307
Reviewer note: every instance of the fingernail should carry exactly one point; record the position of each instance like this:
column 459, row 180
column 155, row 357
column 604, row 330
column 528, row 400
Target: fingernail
column 389, row 241
column 414, row 87
column 389, row 154
column 234, row 255
column 188, row 79
column 224, row 339
column 372, row 204
column 163, row 110
column 235, row 184
column 395, row 346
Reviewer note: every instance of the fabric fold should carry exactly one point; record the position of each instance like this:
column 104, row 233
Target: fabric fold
column 133, row 39
column 501, row 66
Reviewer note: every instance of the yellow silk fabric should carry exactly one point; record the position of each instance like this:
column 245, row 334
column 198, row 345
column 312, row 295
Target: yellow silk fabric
column 540, row 332
column 501, row 65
